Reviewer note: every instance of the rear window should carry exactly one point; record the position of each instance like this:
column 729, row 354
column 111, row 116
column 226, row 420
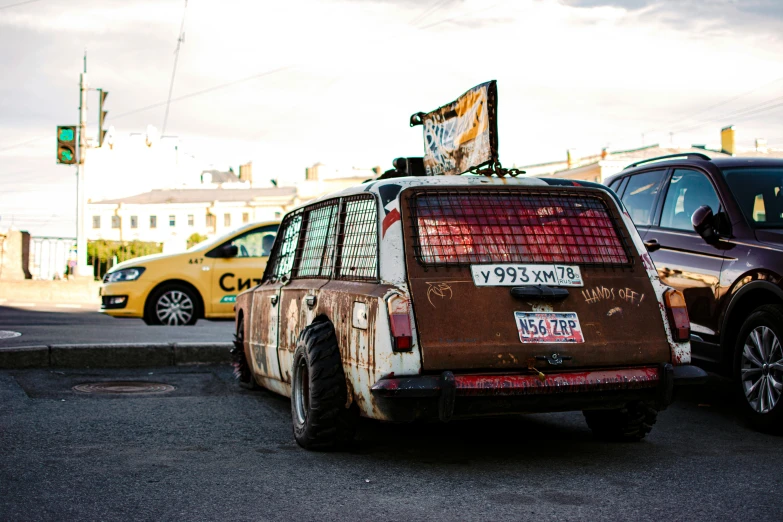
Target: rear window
column 461, row 227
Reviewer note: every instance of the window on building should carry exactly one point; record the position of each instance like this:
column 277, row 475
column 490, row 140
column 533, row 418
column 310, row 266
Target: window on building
column 278, row 214
column 115, row 222
column 191, row 221
column 172, row 220
column 96, row 222
column 211, row 221
column 245, row 218
column 153, row 221
column 134, row 221
column 226, row 220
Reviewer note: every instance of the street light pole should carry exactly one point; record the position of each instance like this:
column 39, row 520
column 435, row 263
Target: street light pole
column 81, row 229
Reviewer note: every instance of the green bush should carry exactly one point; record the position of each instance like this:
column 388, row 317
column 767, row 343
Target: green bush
column 196, row 238
column 101, row 253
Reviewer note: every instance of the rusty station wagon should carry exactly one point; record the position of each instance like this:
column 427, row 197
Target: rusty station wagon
column 460, row 296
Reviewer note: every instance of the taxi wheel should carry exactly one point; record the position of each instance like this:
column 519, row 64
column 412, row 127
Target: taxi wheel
column 172, row 305
column 318, row 391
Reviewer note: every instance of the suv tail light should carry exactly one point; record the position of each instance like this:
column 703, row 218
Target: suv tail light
column 400, row 322
column 678, row 315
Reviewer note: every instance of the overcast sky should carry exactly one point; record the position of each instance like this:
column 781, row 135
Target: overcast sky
column 344, row 77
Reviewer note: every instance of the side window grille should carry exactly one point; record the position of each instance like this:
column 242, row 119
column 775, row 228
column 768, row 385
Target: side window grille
column 281, row 261
column 317, row 249
column 357, row 241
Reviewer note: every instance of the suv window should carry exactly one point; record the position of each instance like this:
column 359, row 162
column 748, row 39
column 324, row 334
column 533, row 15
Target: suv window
column 319, row 238
column 688, row 190
column 358, row 242
column 282, row 260
column 639, row 195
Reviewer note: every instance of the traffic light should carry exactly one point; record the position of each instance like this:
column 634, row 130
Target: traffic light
column 101, row 116
column 66, row 144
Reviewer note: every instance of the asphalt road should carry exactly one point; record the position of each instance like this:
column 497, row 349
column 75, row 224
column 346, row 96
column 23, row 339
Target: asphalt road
column 42, row 324
column 211, row 451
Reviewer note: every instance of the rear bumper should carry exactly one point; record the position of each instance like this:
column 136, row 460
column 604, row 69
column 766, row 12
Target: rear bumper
column 447, row 395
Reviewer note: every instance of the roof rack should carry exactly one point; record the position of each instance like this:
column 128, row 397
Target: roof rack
column 686, row 155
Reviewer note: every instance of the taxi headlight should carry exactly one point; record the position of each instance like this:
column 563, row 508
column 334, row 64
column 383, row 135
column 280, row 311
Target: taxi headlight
column 126, row 274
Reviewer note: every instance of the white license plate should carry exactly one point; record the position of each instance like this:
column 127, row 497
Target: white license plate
column 522, row 275
column 549, row 327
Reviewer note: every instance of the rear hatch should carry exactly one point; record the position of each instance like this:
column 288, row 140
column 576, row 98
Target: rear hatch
column 478, row 256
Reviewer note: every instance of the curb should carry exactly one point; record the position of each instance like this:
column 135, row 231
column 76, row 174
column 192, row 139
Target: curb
column 114, row 355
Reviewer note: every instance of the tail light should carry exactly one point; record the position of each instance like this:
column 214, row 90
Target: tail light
column 400, row 323
column 678, row 315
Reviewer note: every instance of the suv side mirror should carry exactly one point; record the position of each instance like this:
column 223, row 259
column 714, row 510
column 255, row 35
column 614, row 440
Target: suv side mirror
column 703, row 222
column 228, row 250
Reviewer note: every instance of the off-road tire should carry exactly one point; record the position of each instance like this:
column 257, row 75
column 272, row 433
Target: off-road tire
column 242, row 370
column 629, row 424
column 327, row 422
column 150, row 315
column 770, row 316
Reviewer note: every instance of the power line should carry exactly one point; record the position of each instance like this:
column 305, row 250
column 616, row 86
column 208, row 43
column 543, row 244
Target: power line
column 724, row 102
column 436, row 5
column 24, row 143
column 204, row 91
column 457, row 17
column 180, row 40
column 17, row 4
column 740, row 114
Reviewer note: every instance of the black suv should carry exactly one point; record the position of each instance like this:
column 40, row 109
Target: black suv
column 714, row 228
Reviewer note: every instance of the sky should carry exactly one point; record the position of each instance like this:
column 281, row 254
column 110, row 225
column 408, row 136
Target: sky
column 288, row 84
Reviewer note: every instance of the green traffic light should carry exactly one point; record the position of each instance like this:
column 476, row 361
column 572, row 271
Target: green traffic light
column 66, row 135
column 66, row 155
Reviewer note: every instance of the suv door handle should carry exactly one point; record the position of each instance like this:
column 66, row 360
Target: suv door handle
column 310, row 300
column 652, row 245
column 273, row 299
column 539, row 292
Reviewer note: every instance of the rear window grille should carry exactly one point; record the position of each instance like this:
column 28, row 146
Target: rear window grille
column 460, row 227
column 317, row 250
column 358, row 242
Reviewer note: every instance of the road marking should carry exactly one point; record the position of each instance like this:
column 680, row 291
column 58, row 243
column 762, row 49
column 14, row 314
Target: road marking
column 67, row 306
column 22, row 305
column 8, row 334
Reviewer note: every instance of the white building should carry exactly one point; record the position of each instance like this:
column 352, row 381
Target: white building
column 171, row 216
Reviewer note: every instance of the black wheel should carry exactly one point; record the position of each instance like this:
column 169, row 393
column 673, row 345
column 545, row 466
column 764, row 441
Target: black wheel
column 172, row 305
column 758, row 368
column 318, row 391
column 242, row 371
column 629, row 424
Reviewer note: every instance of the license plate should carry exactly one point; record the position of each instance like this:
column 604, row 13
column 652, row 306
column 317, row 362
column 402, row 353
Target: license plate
column 522, row 275
column 549, row 327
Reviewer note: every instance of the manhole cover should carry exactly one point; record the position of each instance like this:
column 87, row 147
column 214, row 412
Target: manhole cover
column 124, row 387
column 8, row 334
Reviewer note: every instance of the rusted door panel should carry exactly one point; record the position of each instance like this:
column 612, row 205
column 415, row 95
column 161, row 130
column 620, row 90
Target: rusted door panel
column 464, row 326
column 295, row 315
column 262, row 335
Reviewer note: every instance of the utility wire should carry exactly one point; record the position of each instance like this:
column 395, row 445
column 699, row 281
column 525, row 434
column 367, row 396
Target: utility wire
column 724, row 102
column 739, row 114
column 17, row 4
column 180, row 39
column 457, row 17
column 436, row 5
column 204, row 91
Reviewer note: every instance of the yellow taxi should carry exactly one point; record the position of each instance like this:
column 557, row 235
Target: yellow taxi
column 202, row 282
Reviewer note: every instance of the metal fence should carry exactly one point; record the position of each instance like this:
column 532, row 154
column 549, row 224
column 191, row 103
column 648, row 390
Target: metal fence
column 49, row 256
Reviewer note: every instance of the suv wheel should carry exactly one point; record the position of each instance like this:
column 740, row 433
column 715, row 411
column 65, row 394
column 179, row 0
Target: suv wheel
column 758, row 367
column 629, row 424
column 242, row 370
column 171, row 305
column 318, row 391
